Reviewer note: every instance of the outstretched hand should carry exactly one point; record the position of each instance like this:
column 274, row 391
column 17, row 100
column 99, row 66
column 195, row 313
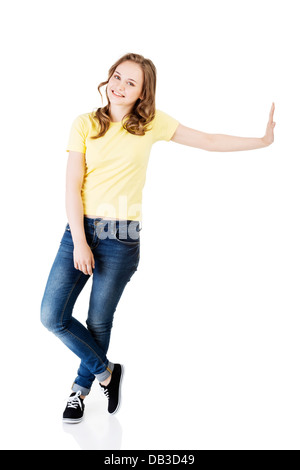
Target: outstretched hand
column 269, row 136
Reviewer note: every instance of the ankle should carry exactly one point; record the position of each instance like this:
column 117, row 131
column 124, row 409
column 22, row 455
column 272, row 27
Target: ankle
column 106, row 382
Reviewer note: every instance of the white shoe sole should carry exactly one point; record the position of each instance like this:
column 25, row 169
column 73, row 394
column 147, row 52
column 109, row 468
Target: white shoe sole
column 72, row 421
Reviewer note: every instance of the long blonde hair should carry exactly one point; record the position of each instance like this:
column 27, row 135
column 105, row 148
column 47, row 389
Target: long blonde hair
column 136, row 122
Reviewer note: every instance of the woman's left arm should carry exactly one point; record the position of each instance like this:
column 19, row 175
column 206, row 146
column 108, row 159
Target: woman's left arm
column 224, row 143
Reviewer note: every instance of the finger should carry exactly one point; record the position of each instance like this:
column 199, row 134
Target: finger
column 76, row 263
column 83, row 268
column 272, row 112
column 89, row 270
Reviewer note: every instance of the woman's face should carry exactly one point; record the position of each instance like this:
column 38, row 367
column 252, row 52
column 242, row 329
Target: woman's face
column 126, row 84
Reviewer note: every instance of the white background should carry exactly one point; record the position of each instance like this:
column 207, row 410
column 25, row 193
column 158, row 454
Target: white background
column 208, row 327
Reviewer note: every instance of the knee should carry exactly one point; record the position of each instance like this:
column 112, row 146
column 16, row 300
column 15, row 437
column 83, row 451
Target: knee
column 99, row 327
column 48, row 317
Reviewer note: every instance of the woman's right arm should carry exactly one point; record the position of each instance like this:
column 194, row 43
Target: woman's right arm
column 83, row 256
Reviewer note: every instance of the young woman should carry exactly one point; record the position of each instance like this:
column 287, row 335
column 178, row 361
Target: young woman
column 108, row 156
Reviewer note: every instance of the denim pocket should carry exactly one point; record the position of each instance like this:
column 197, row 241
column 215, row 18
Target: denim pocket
column 127, row 241
column 128, row 236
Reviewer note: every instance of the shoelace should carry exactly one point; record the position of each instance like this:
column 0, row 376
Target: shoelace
column 105, row 391
column 74, row 401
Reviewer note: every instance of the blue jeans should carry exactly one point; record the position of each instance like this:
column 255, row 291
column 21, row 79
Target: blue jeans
column 116, row 248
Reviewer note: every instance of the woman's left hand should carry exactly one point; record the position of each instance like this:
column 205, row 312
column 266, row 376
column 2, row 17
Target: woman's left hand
column 269, row 136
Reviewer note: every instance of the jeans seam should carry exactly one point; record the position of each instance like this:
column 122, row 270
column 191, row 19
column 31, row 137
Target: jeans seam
column 67, row 330
column 83, row 342
column 66, row 303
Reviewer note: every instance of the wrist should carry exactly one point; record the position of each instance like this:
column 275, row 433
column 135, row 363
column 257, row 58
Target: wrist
column 80, row 242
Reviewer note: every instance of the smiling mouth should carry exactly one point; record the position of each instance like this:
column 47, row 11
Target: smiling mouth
column 117, row 95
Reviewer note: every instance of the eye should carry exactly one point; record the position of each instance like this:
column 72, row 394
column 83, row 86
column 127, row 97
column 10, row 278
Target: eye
column 118, row 77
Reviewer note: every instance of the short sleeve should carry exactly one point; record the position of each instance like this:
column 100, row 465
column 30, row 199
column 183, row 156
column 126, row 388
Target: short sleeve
column 77, row 136
column 164, row 126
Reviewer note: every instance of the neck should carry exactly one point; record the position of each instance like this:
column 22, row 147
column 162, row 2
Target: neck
column 117, row 113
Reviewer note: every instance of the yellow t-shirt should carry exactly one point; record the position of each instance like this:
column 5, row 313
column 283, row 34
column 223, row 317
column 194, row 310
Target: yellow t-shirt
column 116, row 164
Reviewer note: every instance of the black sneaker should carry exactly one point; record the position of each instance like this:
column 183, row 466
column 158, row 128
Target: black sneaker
column 113, row 390
column 74, row 409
